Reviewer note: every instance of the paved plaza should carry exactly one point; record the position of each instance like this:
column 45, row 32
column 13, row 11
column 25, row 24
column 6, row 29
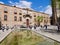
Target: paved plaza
column 4, row 34
column 50, row 33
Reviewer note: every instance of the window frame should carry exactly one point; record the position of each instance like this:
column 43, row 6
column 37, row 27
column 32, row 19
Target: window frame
column 20, row 18
column 5, row 17
column 15, row 18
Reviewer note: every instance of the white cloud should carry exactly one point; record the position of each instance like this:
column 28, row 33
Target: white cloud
column 40, row 6
column 10, row 2
column 41, row 11
column 48, row 10
column 22, row 4
column 1, row 2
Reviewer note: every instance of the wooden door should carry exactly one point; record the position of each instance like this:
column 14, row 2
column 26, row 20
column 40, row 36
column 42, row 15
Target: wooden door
column 27, row 22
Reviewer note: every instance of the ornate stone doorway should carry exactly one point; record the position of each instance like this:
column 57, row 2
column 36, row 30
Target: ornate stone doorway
column 27, row 22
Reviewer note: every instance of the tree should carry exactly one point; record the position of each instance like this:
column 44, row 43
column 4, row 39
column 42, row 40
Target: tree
column 54, row 10
column 59, row 3
column 39, row 20
column 54, row 13
column 58, row 0
column 58, row 19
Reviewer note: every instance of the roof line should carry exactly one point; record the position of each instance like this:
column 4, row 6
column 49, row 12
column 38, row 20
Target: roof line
column 23, row 8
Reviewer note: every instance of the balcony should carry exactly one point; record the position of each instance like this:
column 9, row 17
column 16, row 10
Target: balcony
column 27, row 15
column 5, row 12
column 15, row 12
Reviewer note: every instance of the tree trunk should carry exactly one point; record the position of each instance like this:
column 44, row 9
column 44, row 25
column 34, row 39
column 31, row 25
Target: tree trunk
column 54, row 13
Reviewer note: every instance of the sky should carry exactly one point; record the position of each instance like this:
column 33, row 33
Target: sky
column 37, row 5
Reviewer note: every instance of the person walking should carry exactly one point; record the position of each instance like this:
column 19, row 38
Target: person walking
column 7, row 27
column 35, row 26
column 59, row 27
column 2, row 27
column 45, row 27
column 30, row 27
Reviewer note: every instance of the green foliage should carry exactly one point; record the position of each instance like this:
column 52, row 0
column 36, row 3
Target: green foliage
column 58, row 0
column 59, row 5
column 27, row 33
column 40, row 18
column 15, row 40
column 55, row 43
column 53, row 2
column 21, row 38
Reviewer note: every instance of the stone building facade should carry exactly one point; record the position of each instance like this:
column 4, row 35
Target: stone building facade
column 12, row 15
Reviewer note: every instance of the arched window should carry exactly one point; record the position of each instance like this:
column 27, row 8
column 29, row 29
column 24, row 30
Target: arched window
column 34, row 15
column 35, row 19
column 20, row 13
column 24, row 16
column 20, row 18
column 15, row 18
column 5, row 17
column 5, row 10
column 15, row 11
